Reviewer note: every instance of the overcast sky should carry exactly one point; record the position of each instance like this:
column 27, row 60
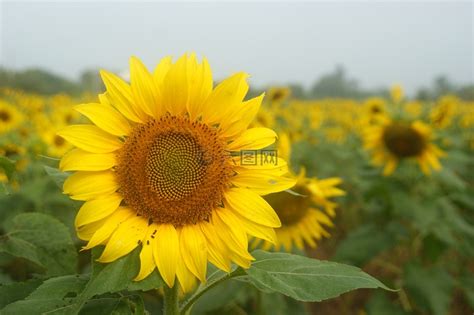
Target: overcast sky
column 378, row 43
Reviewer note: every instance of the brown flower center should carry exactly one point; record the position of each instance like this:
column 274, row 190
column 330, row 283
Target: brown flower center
column 58, row 141
column 375, row 109
column 290, row 208
column 173, row 170
column 403, row 141
column 4, row 116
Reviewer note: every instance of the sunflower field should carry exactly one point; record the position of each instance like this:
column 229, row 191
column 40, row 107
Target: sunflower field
column 170, row 193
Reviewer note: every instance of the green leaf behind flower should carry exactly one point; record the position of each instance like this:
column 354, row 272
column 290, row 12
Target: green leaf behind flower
column 307, row 279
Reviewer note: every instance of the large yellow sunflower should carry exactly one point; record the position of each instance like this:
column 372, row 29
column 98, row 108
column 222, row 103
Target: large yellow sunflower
column 393, row 141
column 10, row 117
column 159, row 168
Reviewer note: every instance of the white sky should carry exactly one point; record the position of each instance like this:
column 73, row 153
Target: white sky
column 379, row 43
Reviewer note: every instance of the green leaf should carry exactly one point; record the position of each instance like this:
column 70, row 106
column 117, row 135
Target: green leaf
column 116, row 276
column 306, row 279
column 450, row 179
column 54, row 247
column 58, row 176
column 8, row 166
column 54, row 295
column 20, row 248
column 116, row 306
column 17, row 291
column 103, row 306
column 430, row 288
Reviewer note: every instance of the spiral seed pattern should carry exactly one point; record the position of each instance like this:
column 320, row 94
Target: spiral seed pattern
column 173, row 170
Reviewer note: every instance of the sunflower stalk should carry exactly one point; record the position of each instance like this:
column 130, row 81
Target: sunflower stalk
column 171, row 300
column 186, row 306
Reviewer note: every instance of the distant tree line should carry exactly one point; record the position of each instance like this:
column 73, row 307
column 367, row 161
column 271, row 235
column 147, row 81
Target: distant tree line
column 337, row 85
column 330, row 85
column 46, row 83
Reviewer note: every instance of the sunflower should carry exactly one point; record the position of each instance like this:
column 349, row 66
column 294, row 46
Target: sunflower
column 372, row 111
column 278, row 94
column 444, row 111
column 374, row 106
column 16, row 154
column 159, row 169
column 11, row 150
column 10, row 117
column 56, row 145
column 305, row 213
column 264, row 118
column 393, row 141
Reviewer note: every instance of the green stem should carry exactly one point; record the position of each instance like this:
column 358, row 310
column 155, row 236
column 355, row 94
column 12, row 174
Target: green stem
column 171, row 305
column 190, row 302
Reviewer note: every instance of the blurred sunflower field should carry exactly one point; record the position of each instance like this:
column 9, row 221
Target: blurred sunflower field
column 384, row 183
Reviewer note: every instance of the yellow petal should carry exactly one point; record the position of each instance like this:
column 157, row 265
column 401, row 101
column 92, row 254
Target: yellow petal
column 128, row 235
column 321, row 217
column 240, row 121
column 175, row 87
column 390, row 167
column 147, row 263
column 433, row 160
column 251, row 206
column 216, row 249
column 166, row 252
column 225, row 99
column 331, row 181
column 241, row 261
column 161, row 70
column 231, row 233
column 88, row 185
column 86, row 232
column 425, row 168
column 119, row 95
column 253, row 139
column 110, row 225
column 106, row 118
column 144, row 91
column 186, row 279
column 298, row 240
column 97, row 209
column 260, row 231
column 80, row 160
column 90, row 138
column 265, row 165
column 199, row 86
column 284, row 238
column 252, row 228
column 194, row 250
column 263, row 184
column 104, row 99
column 284, row 146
